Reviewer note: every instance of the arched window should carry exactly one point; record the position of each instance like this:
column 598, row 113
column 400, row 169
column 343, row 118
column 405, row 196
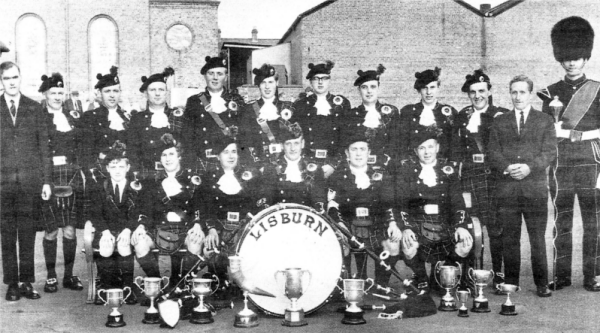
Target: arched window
column 31, row 53
column 103, row 46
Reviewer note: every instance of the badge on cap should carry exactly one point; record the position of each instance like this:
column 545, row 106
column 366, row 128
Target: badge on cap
column 59, row 84
column 481, row 79
column 116, row 79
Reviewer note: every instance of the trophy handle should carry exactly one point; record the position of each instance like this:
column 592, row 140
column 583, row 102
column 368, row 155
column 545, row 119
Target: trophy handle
column 166, row 284
column 307, row 283
column 372, row 284
column 218, row 283
column 129, row 294
column 100, row 297
column 470, row 274
column 459, row 274
column 135, row 281
column 276, row 275
column 339, row 279
column 436, row 272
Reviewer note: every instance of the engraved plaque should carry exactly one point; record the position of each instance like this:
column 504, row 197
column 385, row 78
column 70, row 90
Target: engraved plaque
column 179, row 37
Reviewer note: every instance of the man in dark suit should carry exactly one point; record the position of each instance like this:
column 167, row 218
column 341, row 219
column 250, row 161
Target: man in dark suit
column 522, row 146
column 25, row 170
column 74, row 103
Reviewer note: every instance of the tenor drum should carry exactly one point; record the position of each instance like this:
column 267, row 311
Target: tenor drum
column 290, row 236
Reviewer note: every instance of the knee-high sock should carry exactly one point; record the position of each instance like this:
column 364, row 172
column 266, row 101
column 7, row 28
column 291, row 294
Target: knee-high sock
column 175, row 268
column 149, row 265
column 108, row 272
column 126, row 266
column 50, row 256
column 382, row 276
column 418, row 267
column 496, row 249
column 361, row 264
column 69, row 250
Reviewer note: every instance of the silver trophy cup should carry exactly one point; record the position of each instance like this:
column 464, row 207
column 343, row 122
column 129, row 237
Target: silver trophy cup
column 481, row 278
column 354, row 292
column 114, row 299
column 295, row 284
column 508, row 308
column 151, row 288
column 449, row 279
column 201, row 288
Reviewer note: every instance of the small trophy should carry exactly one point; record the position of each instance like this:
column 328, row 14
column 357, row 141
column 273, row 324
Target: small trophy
column 114, row 299
column 295, row 284
column 463, row 297
column 508, row 308
column 151, row 290
column 557, row 106
column 481, row 279
column 354, row 291
column 201, row 288
column 449, row 279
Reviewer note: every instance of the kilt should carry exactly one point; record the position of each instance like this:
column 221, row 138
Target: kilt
column 230, row 235
column 371, row 236
column 65, row 206
column 478, row 180
column 169, row 237
column 435, row 241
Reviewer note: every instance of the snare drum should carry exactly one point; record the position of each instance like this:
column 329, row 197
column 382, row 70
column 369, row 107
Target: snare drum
column 290, row 236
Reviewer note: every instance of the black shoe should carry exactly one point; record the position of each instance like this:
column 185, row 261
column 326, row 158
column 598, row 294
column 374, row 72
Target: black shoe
column 51, row 286
column 13, row 294
column 592, row 286
column 559, row 283
column 72, row 283
column 543, row 291
column 26, row 290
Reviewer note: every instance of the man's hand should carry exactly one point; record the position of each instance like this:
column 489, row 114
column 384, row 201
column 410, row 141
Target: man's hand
column 327, row 170
column 107, row 243
column 464, row 236
column 212, row 239
column 408, row 238
column 195, row 234
column 519, row 171
column 394, row 232
column 560, row 132
column 138, row 234
column 124, row 238
column 46, row 192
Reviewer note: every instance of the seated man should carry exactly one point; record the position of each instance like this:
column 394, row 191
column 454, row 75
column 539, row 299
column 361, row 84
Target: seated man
column 114, row 215
column 434, row 224
column 291, row 178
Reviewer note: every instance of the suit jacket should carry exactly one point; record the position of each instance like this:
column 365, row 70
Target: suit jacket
column 536, row 147
column 25, row 157
column 107, row 213
column 69, row 105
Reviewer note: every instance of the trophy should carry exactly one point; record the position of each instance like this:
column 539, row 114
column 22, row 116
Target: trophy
column 463, row 297
column 354, row 291
column 114, row 298
column 201, row 288
column 508, row 308
column 295, row 284
column 151, row 290
column 557, row 106
column 481, row 278
column 448, row 280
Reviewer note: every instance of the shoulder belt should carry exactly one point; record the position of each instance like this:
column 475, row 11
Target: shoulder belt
column 214, row 116
column 580, row 104
column 263, row 124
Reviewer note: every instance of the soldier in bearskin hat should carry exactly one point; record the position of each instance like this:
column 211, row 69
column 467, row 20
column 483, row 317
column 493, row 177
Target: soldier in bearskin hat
column 428, row 112
column 211, row 114
column 65, row 209
column 261, row 118
column 320, row 114
column 574, row 103
column 361, row 198
column 471, row 149
column 435, row 224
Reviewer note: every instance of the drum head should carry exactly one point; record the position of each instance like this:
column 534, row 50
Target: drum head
column 290, row 236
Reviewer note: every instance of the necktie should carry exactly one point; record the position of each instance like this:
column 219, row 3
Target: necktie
column 118, row 193
column 13, row 109
column 75, row 105
column 522, row 122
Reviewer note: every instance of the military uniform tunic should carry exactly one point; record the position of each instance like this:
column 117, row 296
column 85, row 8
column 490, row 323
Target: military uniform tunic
column 308, row 192
column 97, row 136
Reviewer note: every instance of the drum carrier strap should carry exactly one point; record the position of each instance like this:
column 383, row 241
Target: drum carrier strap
column 214, row 116
column 263, row 124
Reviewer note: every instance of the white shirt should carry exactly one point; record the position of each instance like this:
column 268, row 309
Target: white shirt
column 268, row 111
column 322, row 105
column 122, row 185
column 362, row 180
column 217, row 103
column 16, row 100
column 116, row 122
column 475, row 120
column 159, row 119
column 228, row 184
column 525, row 115
column 292, row 171
column 60, row 120
column 427, row 118
column 428, row 175
column 372, row 118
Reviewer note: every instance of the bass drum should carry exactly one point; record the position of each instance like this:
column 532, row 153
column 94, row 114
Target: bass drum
column 290, row 236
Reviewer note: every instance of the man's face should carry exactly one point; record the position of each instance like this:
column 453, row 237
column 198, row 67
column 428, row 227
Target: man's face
column 430, row 93
column 268, row 87
column 11, row 81
column 215, row 78
column 358, row 154
column 111, row 96
column 427, row 151
column 170, row 160
column 156, row 94
column 55, row 97
column 320, row 83
column 229, row 157
column 574, row 68
column 520, row 95
column 293, row 148
column 479, row 94
column 117, row 169
column 369, row 91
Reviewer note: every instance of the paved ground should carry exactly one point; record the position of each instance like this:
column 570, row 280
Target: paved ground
column 569, row 310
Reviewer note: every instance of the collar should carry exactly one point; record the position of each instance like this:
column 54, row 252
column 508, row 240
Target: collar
column 290, row 162
column 51, row 111
column 354, row 170
column 432, row 165
column 121, row 184
column 525, row 111
column 17, row 99
column 484, row 110
column 217, row 94
column 577, row 82
column 271, row 100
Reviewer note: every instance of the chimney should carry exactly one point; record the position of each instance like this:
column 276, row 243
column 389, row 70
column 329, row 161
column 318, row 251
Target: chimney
column 485, row 7
column 254, row 35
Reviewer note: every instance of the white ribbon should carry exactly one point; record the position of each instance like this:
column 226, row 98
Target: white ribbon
column 475, row 120
column 362, row 180
column 427, row 118
column 428, row 175
column 268, row 111
column 159, row 119
column 116, row 122
column 217, row 103
column 228, row 184
column 292, row 171
column 171, row 186
column 322, row 106
column 60, row 121
column 372, row 118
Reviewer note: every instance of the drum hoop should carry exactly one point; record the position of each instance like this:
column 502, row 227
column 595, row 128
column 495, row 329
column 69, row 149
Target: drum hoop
column 268, row 211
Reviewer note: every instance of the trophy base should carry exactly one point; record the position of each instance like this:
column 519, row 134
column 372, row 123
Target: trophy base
column 204, row 317
column 115, row 321
column 294, row 318
column 151, row 318
column 353, row 318
column 480, row 307
column 463, row 313
column 508, row 310
column 246, row 321
column 447, row 305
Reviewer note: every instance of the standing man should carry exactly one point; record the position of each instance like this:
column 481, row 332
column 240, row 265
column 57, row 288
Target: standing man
column 574, row 102
column 25, row 172
column 471, row 148
column 210, row 115
column 522, row 145
column 320, row 115
column 73, row 103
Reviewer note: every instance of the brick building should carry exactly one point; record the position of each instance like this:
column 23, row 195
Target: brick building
column 80, row 38
column 409, row 36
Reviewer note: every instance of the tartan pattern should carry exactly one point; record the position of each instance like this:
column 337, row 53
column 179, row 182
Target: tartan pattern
column 375, row 234
column 58, row 212
column 480, row 182
column 430, row 251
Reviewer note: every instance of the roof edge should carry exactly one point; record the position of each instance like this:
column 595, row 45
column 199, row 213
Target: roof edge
column 303, row 15
column 501, row 8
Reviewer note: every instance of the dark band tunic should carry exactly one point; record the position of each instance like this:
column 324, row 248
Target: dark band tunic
column 97, row 136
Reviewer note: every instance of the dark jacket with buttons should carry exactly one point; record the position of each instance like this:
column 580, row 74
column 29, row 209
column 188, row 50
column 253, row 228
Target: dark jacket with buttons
column 107, row 213
column 64, row 143
column 97, row 136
